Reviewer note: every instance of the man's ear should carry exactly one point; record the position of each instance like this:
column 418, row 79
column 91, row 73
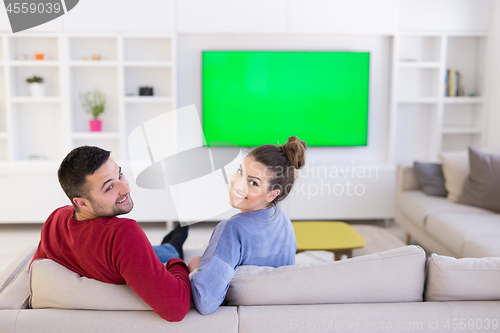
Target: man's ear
column 272, row 195
column 82, row 203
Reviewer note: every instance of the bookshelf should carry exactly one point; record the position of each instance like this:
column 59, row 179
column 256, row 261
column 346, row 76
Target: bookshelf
column 425, row 122
column 43, row 130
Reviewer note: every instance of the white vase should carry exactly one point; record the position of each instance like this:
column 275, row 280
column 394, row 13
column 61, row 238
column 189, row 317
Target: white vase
column 37, row 89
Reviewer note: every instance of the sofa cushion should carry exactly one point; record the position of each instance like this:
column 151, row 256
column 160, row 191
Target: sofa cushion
column 456, row 171
column 14, row 281
column 466, row 279
column 482, row 188
column 484, row 246
column 431, row 178
column 392, row 276
column 223, row 320
column 453, row 230
column 54, row 286
column 418, row 206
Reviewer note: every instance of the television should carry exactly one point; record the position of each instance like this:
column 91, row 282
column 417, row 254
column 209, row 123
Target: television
column 251, row 98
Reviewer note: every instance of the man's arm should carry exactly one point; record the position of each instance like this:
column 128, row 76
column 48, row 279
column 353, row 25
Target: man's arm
column 166, row 289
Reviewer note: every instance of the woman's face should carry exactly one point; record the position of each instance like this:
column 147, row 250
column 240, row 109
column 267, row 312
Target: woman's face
column 249, row 187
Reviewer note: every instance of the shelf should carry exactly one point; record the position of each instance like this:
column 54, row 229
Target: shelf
column 147, row 64
column 35, row 100
column 417, row 100
column 81, row 47
column 34, row 63
column 464, row 130
column 419, row 64
column 463, row 100
column 148, row 99
column 93, row 63
column 95, row 135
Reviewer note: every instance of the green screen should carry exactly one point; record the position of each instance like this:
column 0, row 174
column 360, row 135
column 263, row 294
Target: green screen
column 252, row 98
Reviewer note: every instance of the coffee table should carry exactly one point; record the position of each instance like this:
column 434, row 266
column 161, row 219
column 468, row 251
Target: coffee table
column 334, row 236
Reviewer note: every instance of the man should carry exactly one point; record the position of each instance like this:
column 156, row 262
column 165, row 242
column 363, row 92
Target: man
column 90, row 240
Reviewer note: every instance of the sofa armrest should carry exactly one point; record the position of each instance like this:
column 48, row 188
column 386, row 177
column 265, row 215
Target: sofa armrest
column 406, row 179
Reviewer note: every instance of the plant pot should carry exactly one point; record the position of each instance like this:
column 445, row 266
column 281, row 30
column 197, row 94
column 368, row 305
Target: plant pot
column 95, row 125
column 37, row 89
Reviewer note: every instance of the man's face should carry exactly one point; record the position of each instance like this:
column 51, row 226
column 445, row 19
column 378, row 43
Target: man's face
column 109, row 192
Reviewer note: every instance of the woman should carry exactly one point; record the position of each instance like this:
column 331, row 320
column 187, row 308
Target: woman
column 261, row 234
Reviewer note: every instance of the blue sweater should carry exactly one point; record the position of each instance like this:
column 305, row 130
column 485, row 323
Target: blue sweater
column 261, row 238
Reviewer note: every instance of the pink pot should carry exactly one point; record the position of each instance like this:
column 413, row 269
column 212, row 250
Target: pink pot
column 95, row 125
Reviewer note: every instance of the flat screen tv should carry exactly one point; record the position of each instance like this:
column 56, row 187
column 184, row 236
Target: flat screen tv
column 250, row 98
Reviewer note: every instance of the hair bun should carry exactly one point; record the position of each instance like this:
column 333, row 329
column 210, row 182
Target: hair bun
column 295, row 151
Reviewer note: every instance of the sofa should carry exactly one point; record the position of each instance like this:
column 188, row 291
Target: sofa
column 395, row 290
column 441, row 225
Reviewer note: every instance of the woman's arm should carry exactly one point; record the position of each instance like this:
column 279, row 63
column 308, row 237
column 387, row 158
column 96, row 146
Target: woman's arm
column 194, row 263
column 217, row 267
column 209, row 285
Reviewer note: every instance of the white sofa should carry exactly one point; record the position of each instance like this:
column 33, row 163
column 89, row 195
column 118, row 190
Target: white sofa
column 376, row 292
column 443, row 226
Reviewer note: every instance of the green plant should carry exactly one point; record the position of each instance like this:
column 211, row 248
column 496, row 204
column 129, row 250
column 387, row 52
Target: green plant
column 35, row 79
column 94, row 102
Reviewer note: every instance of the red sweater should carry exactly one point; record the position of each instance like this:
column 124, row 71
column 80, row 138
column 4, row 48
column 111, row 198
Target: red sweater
column 116, row 250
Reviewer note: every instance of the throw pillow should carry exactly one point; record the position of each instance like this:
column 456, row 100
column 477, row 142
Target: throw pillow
column 456, row 171
column 482, row 188
column 431, row 178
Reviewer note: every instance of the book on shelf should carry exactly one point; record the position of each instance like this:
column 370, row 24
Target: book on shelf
column 454, row 85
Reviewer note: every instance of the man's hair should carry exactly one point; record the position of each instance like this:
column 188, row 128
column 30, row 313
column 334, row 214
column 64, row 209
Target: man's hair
column 75, row 168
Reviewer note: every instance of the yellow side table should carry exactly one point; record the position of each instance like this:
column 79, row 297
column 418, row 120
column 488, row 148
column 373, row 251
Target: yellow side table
column 337, row 237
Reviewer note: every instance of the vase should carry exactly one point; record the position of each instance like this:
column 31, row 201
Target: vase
column 37, row 89
column 95, row 125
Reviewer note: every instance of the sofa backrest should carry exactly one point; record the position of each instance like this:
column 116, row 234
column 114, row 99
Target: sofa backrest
column 54, row 286
column 14, row 290
column 465, row 279
column 406, row 179
column 392, row 276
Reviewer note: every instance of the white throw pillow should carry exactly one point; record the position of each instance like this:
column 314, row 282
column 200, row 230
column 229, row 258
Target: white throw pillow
column 456, row 170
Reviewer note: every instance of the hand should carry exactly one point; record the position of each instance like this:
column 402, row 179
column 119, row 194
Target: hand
column 194, row 263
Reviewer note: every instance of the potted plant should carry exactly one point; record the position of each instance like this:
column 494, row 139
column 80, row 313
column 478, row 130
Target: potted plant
column 37, row 88
column 94, row 103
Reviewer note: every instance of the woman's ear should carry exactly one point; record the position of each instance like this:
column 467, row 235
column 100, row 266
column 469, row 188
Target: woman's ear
column 272, row 195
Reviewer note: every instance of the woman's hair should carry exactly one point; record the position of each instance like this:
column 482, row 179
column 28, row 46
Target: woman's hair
column 282, row 160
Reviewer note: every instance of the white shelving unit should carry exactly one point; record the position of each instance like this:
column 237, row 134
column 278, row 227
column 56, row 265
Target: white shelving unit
column 424, row 121
column 34, row 130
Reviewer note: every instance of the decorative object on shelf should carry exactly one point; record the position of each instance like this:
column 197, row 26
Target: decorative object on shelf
column 22, row 56
column 145, row 91
column 39, row 56
column 96, row 57
column 37, row 157
column 94, row 103
column 454, row 85
column 37, row 88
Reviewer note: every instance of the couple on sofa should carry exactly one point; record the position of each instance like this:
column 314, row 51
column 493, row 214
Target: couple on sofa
column 89, row 239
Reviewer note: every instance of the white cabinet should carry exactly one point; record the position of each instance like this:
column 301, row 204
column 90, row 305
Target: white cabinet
column 46, row 128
